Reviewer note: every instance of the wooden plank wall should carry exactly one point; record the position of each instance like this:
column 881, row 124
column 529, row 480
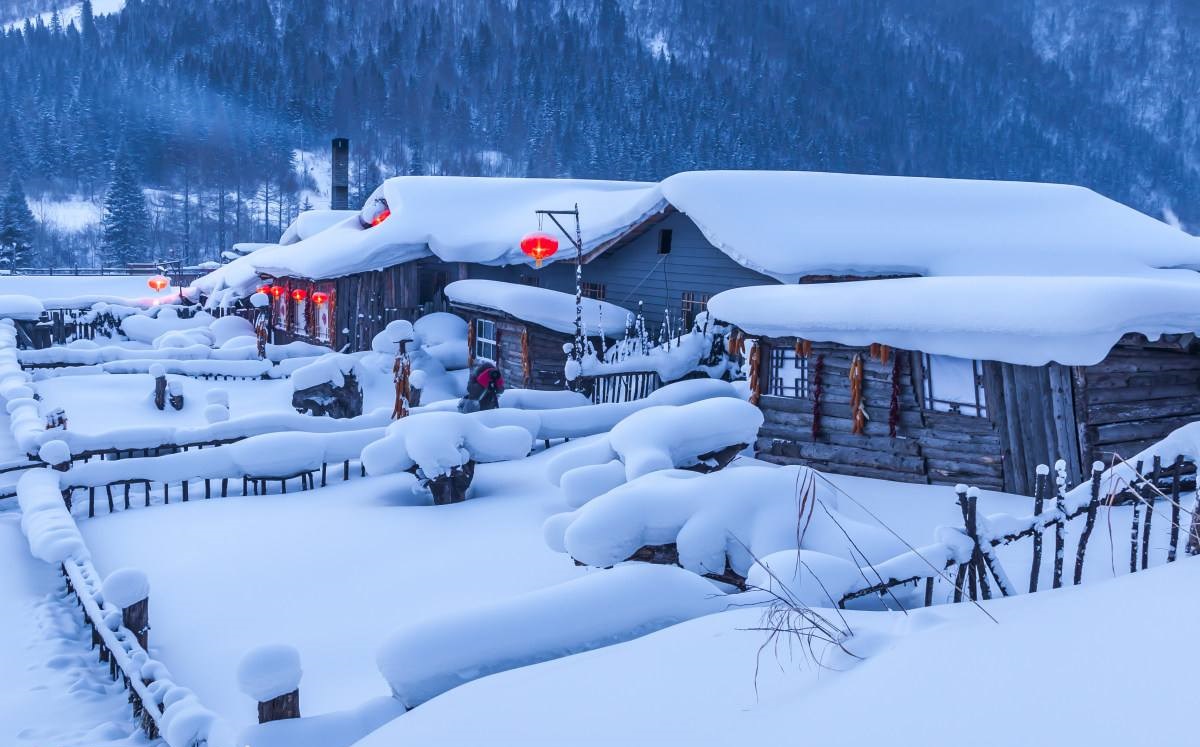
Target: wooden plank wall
column 1032, row 408
column 930, row 447
column 1136, row 396
column 547, row 358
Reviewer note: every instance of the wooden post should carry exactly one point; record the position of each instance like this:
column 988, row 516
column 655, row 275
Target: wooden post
column 1060, row 525
column 282, row 707
column 1041, row 478
column 1150, row 493
column 271, row 675
column 1090, row 522
column 1177, row 468
column 160, row 390
column 987, row 552
column 1137, row 513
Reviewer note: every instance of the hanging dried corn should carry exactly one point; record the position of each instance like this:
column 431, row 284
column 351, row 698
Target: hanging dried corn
column 894, row 411
column 735, row 344
column 857, row 409
column 806, row 348
column 755, row 372
column 885, row 353
column 874, row 351
column 470, row 344
column 818, row 389
column 526, row 364
column 401, row 372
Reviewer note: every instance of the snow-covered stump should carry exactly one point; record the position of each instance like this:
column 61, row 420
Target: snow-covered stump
column 160, row 386
column 271, row 676
column 175, row 390
column 129, row 589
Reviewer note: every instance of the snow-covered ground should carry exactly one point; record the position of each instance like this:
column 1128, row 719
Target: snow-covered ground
column 70, row 13
column 331, row 572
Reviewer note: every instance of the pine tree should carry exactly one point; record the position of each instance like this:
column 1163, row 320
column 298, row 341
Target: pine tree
column 87, row 24
column 17, row 227
column 126, row 225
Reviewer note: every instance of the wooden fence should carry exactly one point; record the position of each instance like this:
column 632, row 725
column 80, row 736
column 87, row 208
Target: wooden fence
column 620, row 387
column 975, row 575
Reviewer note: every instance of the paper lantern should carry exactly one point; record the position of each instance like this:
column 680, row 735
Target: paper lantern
column 276, row 291
column 158, row 282
column 319, row 298
column 539, row 245
column 299, row 294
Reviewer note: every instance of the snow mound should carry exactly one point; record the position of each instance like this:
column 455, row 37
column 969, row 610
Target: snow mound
column 45, row 521
column 331, row 369
column 26, row 308
column 55, row 452
column 269, row 671
column 674, row 436
column 437, row 442
column 125, row 586
column 811, row 578
column 428, row 658
column 230, row 327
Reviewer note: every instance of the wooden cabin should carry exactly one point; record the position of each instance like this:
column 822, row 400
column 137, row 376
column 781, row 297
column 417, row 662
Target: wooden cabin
column 525, row 330
column 979, row 404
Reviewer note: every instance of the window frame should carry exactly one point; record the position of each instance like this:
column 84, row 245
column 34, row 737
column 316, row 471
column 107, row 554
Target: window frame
column 690, row 307
column 594, row 291
column 800, row 386
column 483, row 340
column 930, row 400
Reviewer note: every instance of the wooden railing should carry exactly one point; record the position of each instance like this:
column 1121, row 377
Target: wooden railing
column 620, row 387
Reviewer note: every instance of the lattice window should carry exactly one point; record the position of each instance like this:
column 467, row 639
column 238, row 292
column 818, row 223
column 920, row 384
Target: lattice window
column 485, row 340
column 953, row 385
column 788, row 374
column 691, row 305
column 597, row 291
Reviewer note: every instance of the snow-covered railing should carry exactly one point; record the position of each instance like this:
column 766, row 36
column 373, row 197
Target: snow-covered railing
column 25, row 415
column 64, row 357
column 163, row 709
column 256, row 461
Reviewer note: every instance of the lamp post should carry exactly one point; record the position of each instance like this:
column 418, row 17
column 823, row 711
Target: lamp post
column 539, row 249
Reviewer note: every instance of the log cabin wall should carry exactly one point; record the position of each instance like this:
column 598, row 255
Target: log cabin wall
column 929, row 446
column 530, row 356
column 1033, row 409
column 1137, row 395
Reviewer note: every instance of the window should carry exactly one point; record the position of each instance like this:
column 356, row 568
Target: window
column 690, row 306
column 485, row 340
column 953, row 385
column 594, row 290
column 789, row 374
column 664, row 241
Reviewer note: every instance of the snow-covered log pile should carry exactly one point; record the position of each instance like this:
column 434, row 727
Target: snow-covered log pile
column 702, row 436
column 425, row 659
column 166, row 709
column 716, row 524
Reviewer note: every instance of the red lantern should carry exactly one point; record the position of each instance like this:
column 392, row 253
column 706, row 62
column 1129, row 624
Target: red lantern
column 276, row 291
column 265, row 290
column 319, row 298
column 299, row 294
column 381, row 216
column 157, row 283
column 539, row 245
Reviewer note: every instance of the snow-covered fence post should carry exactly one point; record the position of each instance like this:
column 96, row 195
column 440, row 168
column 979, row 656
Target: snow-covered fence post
column 1090, row 522
column 1041, row 478
column 1060, row 520
column 1176, row 469
column 129, row 590
column 984, row 546
column 176, row 389
column 271, row 675
column 1150, row 494
column 1135, row 522
column 1193, row 544
column 976, row 578
column 160, row 386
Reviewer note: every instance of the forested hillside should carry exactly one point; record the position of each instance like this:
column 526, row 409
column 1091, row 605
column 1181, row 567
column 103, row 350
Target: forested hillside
column 210, row 101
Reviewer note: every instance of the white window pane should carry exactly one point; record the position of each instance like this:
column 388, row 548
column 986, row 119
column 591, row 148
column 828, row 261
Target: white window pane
column 951, row 381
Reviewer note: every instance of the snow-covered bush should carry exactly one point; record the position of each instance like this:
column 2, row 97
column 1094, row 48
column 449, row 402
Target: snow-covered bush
column 673, row 355
column 229, row 328
column 425, row 659
column 806, row 577
column 330, row 385
column 437, row 442
column 734, row 516
column 655, row 438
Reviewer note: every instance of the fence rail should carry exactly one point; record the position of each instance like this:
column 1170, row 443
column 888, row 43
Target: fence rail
column 620, row 387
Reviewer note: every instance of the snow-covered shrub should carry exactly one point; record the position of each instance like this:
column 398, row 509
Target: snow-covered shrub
column 425, row 659
column 269, row 671
column 674, row 355
column 655, row 438
column 183, row 338
column 734, row 516
column 437, row 442
column 230, row 327
column 331, row 385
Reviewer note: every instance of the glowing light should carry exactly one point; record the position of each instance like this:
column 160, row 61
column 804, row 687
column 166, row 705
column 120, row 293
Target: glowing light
column 319, row 298
column 299, row 294
column 158, row 283
column 539, row 245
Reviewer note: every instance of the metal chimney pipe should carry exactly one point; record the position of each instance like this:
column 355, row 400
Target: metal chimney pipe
column 339, row 197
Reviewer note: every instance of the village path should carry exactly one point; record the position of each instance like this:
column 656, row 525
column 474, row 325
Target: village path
column 52, row 688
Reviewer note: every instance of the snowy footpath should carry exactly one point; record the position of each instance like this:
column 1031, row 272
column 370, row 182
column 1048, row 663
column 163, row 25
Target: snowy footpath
column 53, row 691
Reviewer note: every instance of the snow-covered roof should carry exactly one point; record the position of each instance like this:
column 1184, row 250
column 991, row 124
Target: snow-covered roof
column 1073, row 320
column 549, row 308
column 788, row 224
column 312, row 222
column 784, row 224
column 458, row 219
